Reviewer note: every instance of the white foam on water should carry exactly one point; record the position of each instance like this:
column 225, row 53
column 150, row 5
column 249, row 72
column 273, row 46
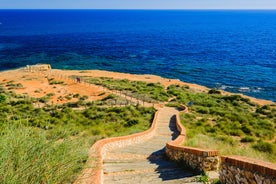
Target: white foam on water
column 244, row 89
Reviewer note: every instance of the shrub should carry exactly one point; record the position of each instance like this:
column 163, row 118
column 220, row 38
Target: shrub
column 203, row 110
column 44, row 99
column 246, row 129
column 52, row 81
column 50, row 94
column 232, row 98
column 14, row 86
column 85, row 97
column 3, row 98
column 236, row 132
column 111, row 96
column 138, row 89
column 264, row 147
column 131, row 122
column 76, row 95
column 68, row 97
column 248, row 139
column 214, row 91
column 227, row 139
column 203, row 178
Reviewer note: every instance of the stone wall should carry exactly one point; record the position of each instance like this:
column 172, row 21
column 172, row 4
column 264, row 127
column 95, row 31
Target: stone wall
column 238, row 169
column 94, row 175
column 197, row 159
column 201, row 160
column 38, row 67
column 233, row 169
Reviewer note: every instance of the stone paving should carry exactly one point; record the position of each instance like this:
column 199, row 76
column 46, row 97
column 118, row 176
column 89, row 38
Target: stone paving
column 146, row 162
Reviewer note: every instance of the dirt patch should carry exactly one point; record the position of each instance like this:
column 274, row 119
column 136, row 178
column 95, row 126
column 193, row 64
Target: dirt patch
column 62, row 89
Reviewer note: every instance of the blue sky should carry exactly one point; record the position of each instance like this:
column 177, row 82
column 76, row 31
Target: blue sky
column 137, row 4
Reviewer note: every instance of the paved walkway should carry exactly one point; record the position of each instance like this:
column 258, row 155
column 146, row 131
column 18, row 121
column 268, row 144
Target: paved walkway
column 146, row 162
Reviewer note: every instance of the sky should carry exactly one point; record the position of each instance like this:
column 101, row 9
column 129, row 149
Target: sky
column 137, row 4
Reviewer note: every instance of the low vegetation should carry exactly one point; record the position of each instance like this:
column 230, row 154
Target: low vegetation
column 50, row 144
column 53, row 81
column 149, row 92
column 231, row 124
column 28, row 155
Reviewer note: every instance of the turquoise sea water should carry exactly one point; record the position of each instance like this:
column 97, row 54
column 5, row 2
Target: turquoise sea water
column 231, row 50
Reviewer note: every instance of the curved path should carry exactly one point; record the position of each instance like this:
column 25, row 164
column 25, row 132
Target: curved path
column 146, row 162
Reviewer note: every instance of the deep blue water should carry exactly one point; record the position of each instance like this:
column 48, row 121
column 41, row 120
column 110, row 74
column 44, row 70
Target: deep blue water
column 232, row 50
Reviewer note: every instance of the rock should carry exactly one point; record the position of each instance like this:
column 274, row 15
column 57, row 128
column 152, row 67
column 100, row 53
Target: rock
column 267, row 181
column 258, row 178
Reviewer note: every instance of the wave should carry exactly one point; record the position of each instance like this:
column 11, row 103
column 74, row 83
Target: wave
column 242, row 89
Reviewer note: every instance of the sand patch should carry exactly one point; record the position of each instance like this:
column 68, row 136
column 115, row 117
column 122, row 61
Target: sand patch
column 36, row 84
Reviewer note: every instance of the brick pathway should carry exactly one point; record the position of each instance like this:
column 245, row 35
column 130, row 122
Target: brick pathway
column 146, row 162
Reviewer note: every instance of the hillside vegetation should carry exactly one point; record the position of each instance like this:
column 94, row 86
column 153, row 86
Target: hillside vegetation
column 50, row 144
column 47, row 143
column 230, row 123
column 149, row 92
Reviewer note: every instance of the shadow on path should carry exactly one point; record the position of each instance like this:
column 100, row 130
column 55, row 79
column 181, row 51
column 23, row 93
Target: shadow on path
column 169, row 170
column 172, row 126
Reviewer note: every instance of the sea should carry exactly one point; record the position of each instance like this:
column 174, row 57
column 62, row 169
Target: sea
column 233, row 50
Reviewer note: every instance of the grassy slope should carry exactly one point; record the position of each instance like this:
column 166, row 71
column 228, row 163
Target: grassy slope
column 50, row 144
column 231, row 124
column 149, row 92
column 55, row 136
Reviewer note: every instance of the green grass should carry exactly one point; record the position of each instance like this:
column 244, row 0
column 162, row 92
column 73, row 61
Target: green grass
column 57, row 136
column 231, row 120
column 28, row 156
column 52, row 81
column 50, row 144
column 228, row 145
column 149, row 92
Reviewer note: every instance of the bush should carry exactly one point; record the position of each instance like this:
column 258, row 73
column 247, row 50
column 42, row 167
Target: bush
column 131, row 122
column 246, row 129
column 76, row 95
column 52, row 81
column 264, row 147
column 44, row 99
column 14, row 86
column 3, row 98
column 203, row 110
column 111, row 96
column 85, row 97
column 138, row 89
column 248, row 139
column 214, row 91
column 203, row 178
column 232, row 98
column 227, row 139
column 236, row 132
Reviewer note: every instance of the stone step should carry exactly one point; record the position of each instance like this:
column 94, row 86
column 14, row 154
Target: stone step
column 150, row 178
column 159, row 167
column 146, row 162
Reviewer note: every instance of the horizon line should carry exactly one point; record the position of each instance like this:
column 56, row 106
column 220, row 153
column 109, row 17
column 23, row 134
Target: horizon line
column 136, row 9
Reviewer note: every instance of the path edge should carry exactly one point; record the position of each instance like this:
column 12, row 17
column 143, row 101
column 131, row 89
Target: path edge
column 202, row 160
column 93, row 173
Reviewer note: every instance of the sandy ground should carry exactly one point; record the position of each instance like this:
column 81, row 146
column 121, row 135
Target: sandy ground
column 35, row 83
